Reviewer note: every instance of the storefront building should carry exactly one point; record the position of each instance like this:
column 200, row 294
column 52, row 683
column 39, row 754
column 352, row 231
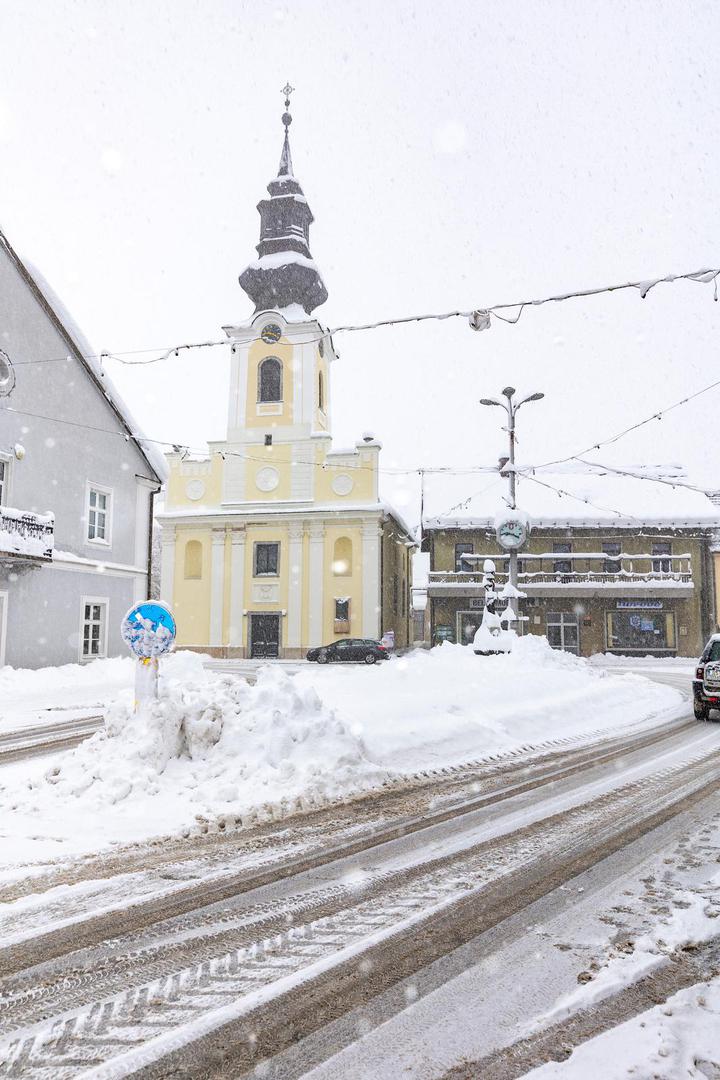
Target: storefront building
column 645, row 588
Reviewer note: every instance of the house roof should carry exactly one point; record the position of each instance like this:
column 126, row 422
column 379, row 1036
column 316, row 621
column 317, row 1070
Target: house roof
column 575, row 495
column 82, row 350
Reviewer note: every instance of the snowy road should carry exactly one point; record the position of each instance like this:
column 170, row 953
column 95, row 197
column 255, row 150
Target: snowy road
column 43, row 739
column 205, row 957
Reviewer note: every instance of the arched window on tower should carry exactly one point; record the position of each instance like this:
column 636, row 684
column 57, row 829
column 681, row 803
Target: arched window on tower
column 270, row 380
column 193, row 560
column 321, row 391
column 342, row 557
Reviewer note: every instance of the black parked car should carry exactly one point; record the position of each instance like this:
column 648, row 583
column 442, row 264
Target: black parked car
column 363, row 650
column 706, row 684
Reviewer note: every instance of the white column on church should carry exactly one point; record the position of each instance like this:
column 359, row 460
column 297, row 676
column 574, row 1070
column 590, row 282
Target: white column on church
column 237, row 587
column 371, row 590
column 167, row 564
column 217, row 586
column 315, row 582
column 294, row 610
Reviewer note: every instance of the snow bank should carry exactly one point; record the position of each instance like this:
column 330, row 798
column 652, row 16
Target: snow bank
column 683, row 663
column 214, row 746
column 34, row 696
column 446, row 705
column 29, row 697
column 210, row 746
column 675, row 1039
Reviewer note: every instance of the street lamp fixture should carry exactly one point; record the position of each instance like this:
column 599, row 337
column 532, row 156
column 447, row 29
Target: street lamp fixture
column 508, row 468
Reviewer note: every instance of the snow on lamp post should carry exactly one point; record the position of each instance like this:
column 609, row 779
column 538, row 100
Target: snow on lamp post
column 512, row 529
column 148, row 630
column 487, row 638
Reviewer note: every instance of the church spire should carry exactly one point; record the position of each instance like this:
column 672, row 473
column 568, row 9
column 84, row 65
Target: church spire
column 285, row 168
column 284, row 275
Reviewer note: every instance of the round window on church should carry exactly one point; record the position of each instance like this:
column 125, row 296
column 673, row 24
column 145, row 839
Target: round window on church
column 271, row 333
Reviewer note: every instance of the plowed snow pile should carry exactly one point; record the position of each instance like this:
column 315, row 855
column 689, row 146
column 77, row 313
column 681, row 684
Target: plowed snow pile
column 214, row 745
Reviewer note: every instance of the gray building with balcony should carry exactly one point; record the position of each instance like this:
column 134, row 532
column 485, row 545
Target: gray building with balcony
column 614, row 562
column 77, row 483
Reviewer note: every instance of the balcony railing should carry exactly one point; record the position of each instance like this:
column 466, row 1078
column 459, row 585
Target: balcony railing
column 642, row 571
column 26, row 536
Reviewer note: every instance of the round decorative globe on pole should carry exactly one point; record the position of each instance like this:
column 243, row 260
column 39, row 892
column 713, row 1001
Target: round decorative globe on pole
column 149, row 631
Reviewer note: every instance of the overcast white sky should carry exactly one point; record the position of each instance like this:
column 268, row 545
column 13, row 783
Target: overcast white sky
column 454, row 155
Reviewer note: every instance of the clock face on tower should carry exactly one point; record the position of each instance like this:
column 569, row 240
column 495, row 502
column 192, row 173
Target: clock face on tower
column 271, row 333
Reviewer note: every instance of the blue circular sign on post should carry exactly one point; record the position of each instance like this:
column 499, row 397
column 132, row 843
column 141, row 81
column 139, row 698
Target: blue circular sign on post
column 149, row 629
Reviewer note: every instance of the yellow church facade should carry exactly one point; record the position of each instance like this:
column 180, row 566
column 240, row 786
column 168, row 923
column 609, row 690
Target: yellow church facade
column 276, row 542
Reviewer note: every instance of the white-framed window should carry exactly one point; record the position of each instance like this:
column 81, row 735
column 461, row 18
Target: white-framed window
column 93, row 627
column 4, row 479
column 266, row 560
column 270, row 379
column 99, row 514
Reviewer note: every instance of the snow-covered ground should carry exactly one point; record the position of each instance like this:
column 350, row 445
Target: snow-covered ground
column 680, row 911
column 646, row 663
column 29, row 698
column 214, row 745
column 643, row 909
column 678, row 1038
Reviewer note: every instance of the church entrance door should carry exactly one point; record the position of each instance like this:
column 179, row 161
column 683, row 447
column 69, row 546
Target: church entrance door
column 264, row 635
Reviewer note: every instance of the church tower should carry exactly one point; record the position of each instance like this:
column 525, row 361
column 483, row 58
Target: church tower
column 282, row 358
column 277, row 542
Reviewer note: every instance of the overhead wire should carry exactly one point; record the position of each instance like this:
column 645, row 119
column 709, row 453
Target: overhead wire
column 704, row 276
column 633, row 427
column 579, row 498
column 188, row 450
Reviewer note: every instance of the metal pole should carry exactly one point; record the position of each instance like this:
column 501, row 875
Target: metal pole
column 422, row 506
column 511, row 478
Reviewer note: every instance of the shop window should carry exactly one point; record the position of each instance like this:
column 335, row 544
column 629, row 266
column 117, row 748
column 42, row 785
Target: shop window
column 644, row 631
column 462, row 566
column 467, row 625
column 660, row 565
column 563, row 631
column 270, row 380
column 193, row 560
column 342, row 557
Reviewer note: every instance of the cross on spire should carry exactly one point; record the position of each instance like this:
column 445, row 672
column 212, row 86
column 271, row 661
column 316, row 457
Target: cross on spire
column 287, row 90
column 285, row 167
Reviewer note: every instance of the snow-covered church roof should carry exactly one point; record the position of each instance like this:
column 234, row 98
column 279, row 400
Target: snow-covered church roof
column 574, row 495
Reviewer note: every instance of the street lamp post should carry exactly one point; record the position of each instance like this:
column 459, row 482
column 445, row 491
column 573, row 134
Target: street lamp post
column 511, row 408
